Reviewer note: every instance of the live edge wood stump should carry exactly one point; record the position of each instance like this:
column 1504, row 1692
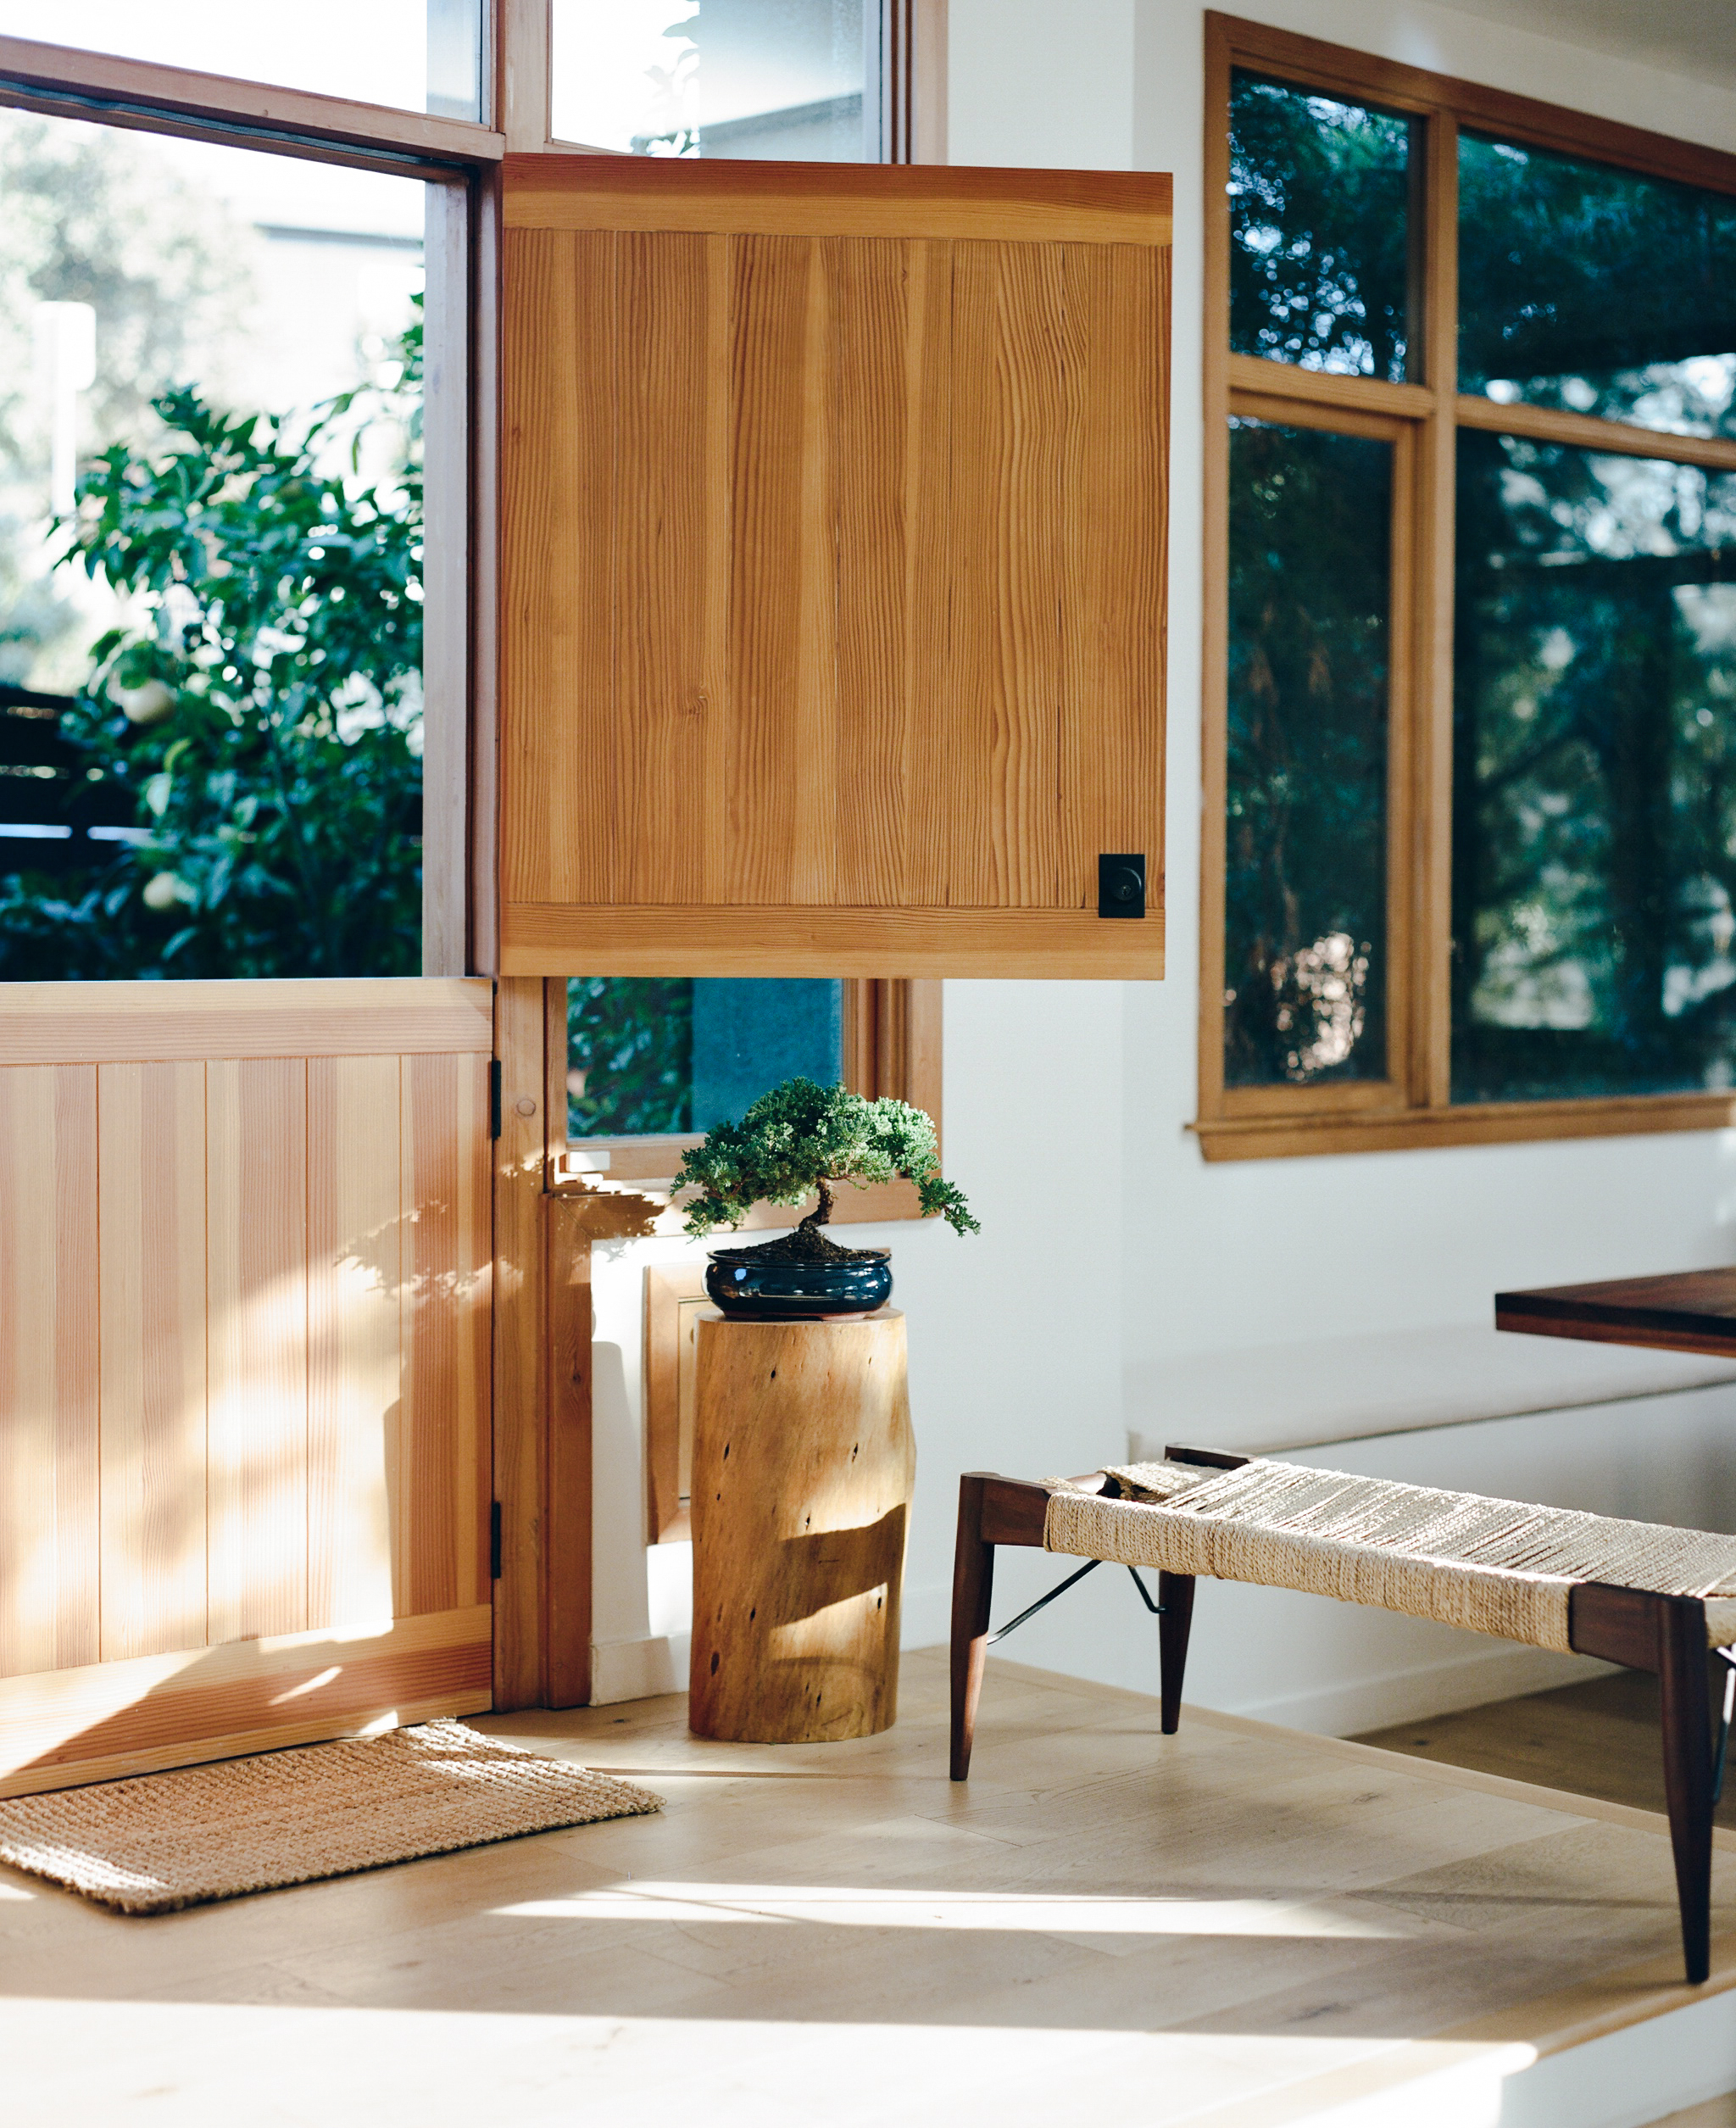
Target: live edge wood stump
column 802, row 1466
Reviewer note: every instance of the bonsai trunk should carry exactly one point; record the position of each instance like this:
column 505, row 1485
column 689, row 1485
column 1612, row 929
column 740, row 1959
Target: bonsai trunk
column 804, row 1243
column 821, row 1214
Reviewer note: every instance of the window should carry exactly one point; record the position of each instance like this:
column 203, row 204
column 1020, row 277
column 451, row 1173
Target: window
column 1471, row 687
column 774, row 80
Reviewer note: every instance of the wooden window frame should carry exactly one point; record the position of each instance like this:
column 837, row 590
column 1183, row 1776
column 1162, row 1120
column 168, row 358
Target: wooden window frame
column 891, row 1046
column 1412, row 1106
column 454, row 158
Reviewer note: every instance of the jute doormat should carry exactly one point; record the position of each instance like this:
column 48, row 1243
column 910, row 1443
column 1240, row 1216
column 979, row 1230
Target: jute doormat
column 165, row 1841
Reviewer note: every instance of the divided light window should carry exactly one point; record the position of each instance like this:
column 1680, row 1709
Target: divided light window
column 1471, row 697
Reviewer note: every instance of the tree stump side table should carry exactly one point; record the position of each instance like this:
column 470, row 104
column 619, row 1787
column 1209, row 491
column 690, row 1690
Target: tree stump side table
column 802, row 1466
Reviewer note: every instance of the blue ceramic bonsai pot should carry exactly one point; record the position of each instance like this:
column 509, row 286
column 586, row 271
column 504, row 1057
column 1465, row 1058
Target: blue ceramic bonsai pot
column 773, row 1281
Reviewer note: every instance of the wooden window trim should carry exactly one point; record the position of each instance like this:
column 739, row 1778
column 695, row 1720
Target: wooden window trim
column 1412, row 1106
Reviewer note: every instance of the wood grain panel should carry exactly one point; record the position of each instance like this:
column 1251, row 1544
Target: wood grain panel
column 557, row 375
column 820, row 199
column 549, row 937
column 520, row 1377
column 440, row 1516
column 243, row 1362
column 138, row 1022
column 665, row 698
column 49, row 1570
column 257, row 1283
column 1117, row 450
column 103, row 1720
column 871, row 287
column 773, row 441
column 569, row 1584
column 356, row 1451
column 880, row 506
column 151, row 1288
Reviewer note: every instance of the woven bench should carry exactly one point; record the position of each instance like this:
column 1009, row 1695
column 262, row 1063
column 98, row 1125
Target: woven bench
column 1635, row 1593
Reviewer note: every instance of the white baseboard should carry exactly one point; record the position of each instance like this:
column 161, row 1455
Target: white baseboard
column 1414, row 1695
column 638, row 1669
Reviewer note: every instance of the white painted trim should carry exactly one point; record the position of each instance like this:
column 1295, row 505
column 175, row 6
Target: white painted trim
column 638, row 1669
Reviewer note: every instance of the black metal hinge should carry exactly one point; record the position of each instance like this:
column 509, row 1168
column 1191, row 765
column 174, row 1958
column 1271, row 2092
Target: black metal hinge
column 494, row 1097
column 494, row 1541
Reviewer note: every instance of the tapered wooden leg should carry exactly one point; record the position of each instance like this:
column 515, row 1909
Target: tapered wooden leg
column 1174, row 1592
column 1688, row 1771
column 973, row 1584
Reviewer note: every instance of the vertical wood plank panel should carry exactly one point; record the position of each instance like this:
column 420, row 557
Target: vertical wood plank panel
column 569, row 1608
column 1001, row 733
column 1112, row 609
column 440, row 1534
column 151, row 1284
column 521, row 1013
column 937, row 827
column 558, row 512
column 257, row 1287
column 355, row 1275
column 769, row 320
column 657, row 730
column 49, row 1532
column 78, row 1624
column 869, row 465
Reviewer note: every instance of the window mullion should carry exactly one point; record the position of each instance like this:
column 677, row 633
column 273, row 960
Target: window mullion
column 1431, row 805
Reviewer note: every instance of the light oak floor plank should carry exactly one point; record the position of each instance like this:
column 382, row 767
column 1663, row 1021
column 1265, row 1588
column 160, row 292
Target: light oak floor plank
column 1103, row 1923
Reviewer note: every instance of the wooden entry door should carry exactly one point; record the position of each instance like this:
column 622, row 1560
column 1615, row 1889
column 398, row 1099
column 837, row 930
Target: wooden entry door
column 244, row 1308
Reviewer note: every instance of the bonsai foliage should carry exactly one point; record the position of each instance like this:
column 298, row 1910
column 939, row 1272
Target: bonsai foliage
column 800, row 1139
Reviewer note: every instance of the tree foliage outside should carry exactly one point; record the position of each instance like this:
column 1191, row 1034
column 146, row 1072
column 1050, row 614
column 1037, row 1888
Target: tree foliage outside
column 1305, row 796
column 801, row 1138
column 630, row 1048
column 1319, row 222
column 1595, row 774
column 264, row 708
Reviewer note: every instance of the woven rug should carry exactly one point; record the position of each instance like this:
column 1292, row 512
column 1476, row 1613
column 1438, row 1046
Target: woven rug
column 165, row 1841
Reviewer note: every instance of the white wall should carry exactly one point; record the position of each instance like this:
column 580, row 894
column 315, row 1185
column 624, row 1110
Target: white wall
column 1109, row 1245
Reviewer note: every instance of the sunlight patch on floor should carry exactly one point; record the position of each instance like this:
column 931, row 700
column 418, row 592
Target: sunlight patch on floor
column 1052, row 1913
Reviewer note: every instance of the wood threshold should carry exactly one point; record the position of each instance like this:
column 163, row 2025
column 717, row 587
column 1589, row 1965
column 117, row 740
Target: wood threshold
column 1480, row 1123
column 61, row 79
column 1555, row 425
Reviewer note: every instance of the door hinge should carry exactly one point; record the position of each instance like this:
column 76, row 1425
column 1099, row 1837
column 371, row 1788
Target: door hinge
column 494, row 1541
column 494, row 1097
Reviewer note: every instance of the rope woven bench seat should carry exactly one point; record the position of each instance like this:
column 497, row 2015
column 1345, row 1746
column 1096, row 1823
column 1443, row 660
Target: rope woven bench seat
column 1638, row 1593
column 1498, row 1566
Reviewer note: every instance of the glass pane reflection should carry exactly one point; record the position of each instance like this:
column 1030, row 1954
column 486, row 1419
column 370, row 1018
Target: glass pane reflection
column 1596, row 290
column 414, row 55
column 647, row 1056
column 1319, row 230
column 1305, row 868
column 778, row 81
column 1595, row 778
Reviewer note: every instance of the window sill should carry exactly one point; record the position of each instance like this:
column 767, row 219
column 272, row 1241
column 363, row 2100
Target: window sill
column 616, row 1206
column 1484, row 1123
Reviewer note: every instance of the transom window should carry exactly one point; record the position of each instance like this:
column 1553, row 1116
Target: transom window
column 1471, row 717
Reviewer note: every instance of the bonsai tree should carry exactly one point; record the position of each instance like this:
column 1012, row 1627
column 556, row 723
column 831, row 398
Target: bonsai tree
column 800, row 1139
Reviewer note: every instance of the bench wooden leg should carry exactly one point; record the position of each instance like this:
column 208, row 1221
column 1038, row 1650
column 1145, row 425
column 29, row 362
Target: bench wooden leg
column 1174, row 1592
column 1688, row 1775
column 973, row 1585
